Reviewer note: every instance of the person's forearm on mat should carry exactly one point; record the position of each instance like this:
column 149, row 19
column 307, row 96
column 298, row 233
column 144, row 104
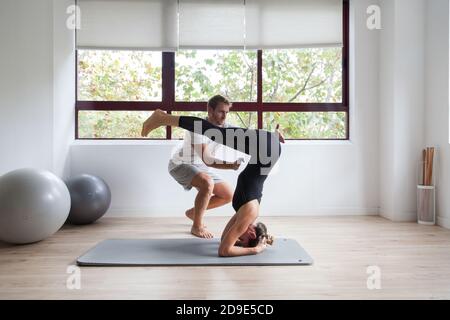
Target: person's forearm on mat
column 235, row 251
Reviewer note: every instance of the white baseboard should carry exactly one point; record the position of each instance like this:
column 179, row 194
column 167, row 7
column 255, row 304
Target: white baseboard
column 316, row 212
column 153, row 212
column 402, row 217
column 440, row 221
column 443, row 222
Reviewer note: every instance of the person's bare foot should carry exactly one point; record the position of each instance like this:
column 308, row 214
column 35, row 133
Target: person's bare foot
column 190, row 214
column 280, row 135
column 201, row 232
column 153, row 122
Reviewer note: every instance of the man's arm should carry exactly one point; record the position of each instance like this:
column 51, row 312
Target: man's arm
column 212, row 162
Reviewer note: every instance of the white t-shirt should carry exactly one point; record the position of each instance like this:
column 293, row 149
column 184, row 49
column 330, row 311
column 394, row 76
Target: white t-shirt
column 186, row 154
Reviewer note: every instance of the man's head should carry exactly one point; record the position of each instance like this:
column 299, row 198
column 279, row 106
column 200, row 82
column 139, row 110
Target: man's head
column 218, row 108
column 254, row 234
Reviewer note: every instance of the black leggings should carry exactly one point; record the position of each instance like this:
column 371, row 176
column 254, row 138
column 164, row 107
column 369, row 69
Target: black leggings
column 263, row 147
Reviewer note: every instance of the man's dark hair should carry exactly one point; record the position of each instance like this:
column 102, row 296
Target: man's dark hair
column 261, row 232
column 214, row 101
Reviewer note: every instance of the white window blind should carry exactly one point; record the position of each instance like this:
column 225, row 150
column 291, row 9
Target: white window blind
column 171, row 24
column 294, row 23
column 128, row 24
column 211, row 24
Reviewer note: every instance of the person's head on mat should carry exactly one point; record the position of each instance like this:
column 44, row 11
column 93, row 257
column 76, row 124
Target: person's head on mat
column 254, row 235
column 218, row 108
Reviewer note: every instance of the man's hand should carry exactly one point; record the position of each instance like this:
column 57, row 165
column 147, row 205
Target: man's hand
column 237, row 163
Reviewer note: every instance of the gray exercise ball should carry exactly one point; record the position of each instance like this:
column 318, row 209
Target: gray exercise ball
column 90, row 198
column 34, row 204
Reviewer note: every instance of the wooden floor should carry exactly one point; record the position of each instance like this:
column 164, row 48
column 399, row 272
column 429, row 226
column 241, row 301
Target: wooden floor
column 414, row 261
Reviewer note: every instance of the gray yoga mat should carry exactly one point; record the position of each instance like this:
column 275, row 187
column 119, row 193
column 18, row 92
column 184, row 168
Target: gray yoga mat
column 187, row 252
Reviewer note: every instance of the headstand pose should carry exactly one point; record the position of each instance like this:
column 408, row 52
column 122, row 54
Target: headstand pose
column 240, row 236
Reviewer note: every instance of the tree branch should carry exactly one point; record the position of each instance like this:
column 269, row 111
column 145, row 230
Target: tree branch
column 305, row 84
column 240, row 118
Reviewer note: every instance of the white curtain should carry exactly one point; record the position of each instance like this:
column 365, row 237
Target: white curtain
column 170, row 24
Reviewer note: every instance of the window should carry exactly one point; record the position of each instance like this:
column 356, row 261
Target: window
column 201, row 74
column 304, row 89
column 119, row 75
column 302, row 75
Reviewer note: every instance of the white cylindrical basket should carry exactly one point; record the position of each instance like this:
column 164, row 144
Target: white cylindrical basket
column 426, row 205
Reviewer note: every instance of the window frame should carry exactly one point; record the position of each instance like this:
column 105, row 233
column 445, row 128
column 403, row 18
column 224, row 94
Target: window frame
column 169, row 104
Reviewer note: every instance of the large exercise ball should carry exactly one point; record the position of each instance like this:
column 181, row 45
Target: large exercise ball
column 34, row 204
column 90, row 198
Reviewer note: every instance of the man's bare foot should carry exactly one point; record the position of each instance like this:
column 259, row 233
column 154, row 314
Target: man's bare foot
column 201, row 232
column 190, row 214
column 280, row 135
column 153, row 122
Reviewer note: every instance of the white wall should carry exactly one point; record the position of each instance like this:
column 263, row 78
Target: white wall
column 402, row 92
column 64, row 87
column 314, row 178
column 437, row 101
column 36, row 85
column 386, row 106
column 26, row 90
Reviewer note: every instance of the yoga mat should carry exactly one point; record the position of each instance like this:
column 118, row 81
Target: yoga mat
column 188, row 252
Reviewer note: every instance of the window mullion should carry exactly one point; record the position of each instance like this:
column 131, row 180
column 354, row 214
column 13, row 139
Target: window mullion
column 168, row 85
column 259, row 90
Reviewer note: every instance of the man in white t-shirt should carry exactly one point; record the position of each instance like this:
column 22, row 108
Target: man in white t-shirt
column 190, row 167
